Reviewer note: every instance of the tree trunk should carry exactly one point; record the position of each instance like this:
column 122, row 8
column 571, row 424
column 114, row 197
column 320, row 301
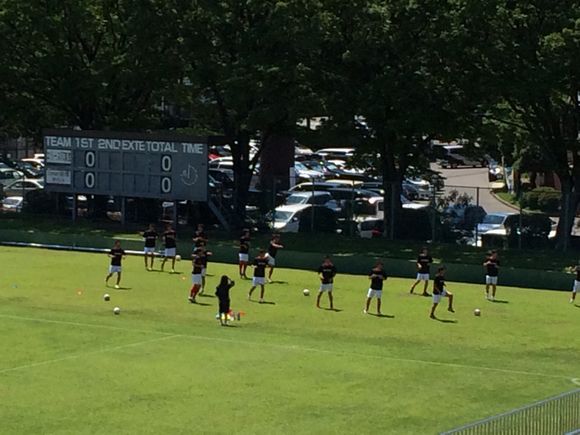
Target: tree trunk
column 242, row 177
column 567, row 212
column 392, row 195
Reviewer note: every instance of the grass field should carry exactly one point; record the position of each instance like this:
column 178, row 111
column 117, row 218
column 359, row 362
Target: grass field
column 68, row 365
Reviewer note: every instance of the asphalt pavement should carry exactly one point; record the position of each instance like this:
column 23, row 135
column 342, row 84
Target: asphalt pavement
column 468, row 180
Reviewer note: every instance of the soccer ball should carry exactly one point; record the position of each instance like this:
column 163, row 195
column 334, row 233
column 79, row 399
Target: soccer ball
column 117, row 310
column 178, row 257
column 106, row 297
column 306, row 292
column 477, row 312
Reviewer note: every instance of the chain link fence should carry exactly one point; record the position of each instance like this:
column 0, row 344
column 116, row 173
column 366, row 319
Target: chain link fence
column 558, row 415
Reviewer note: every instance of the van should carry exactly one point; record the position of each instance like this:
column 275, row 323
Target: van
column 453, row 156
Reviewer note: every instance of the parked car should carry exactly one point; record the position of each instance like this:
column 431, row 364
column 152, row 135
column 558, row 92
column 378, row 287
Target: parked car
column 493, row 221
column 331, row 153
column 303, row 218
column 8, row 175
column 22, row 186
column 12, row 204
column 464, row 217
column 374, row 207
column 454, row 156
column 302, row 172
column 316, row 198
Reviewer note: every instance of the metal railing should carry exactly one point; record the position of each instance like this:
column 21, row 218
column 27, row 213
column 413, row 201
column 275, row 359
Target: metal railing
column 557, row 415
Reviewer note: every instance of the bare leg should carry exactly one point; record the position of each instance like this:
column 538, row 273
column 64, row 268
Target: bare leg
column 251, row 291
column 379, row 306
column 368, row 305
column 172, row 264
column 487, row 290
column 330, row 298
column 425, row 293
column 262, row 291
column 450, row 308
column 118, row 278
column 413, row 286
column 493, row 290
column 433, row 308
column 318, row 299
column 163, row 263
column 107, row 278
column 270, row 273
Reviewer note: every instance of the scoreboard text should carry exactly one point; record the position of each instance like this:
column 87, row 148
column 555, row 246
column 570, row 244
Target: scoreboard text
column 126, row 164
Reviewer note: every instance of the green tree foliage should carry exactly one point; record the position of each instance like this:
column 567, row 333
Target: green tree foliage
column 87, row 63
column 524, row 55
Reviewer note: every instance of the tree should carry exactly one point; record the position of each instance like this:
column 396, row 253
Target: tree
column 86, row 63
column 246, row 69
column 524, row 55
column 385, row 64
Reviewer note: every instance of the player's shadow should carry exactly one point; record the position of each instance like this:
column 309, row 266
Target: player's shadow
column 265, row 302
column 203, row 295
column 202, row 304
column 383, row 316
column 229, row 325
column 278, row 282
column 577, row 305
column 124, row 288
column 445, row 320
column 500, row 301
column 173, row 273
column 336, row 310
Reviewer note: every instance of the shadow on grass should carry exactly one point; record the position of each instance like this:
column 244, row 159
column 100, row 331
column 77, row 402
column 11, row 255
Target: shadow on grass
column 123, row 288
column 228, row 325
column 336, row 310
column 278, row 282
column 445, row 320
column 202, row 304
column 500, row 301
column 265, row 302
column 203, row 295
column 382, row 316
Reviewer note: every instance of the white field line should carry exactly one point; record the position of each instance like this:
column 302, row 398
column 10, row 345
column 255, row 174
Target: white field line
column 273, row 345
column 81, row 355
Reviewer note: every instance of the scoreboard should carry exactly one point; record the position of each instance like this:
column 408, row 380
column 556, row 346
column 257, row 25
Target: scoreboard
column 137, row 165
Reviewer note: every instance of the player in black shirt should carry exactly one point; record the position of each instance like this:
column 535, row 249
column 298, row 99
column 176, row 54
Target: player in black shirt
column 116, row 254
column 272, row 251
column 196, row 278
column 326, row 272
column 491, row 265
column 200, row 237
column 260, row 264
column 170, row 241
column 424, row 260
column 440, row 291
column 150, row 238
column 222, row 292
column 244, row 253
column 576, row 286
column 377, row 275
column 205, row 254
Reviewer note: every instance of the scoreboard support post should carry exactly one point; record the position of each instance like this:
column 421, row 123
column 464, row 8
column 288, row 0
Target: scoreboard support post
column 74, row 210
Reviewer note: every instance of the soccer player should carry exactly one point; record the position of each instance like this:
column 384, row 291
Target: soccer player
column 576, row 286
column 197, row 263
column 271, row 255
column 150, row 237
column 326, row 272
column 260, row 264
column 440, row 291
column 205, row 254
column 116, row 254
column 491, row 265
column 244, row 253
column 170, row 241
column 200, row 237
column 222, row 292
column 377, row 276
column 424, row 260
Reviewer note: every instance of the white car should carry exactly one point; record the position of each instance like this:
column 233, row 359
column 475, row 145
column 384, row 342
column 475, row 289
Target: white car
column 374, row 207
column 8, row 175
column 12, row 203
column 342, row 153
column 23, row 186
column 493, row 221
column 286, row 218
column 303, row 172
column 315, row 198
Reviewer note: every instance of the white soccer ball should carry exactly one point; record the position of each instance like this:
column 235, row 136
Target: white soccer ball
column 477, row 312
column 178, row 257
column 306, row 292
column 106, row 297
column 117, row 310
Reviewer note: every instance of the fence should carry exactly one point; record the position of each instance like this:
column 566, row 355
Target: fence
column 559, row 415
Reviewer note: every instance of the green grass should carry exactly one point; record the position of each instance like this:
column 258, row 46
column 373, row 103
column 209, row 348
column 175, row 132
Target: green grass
column 69, row 365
